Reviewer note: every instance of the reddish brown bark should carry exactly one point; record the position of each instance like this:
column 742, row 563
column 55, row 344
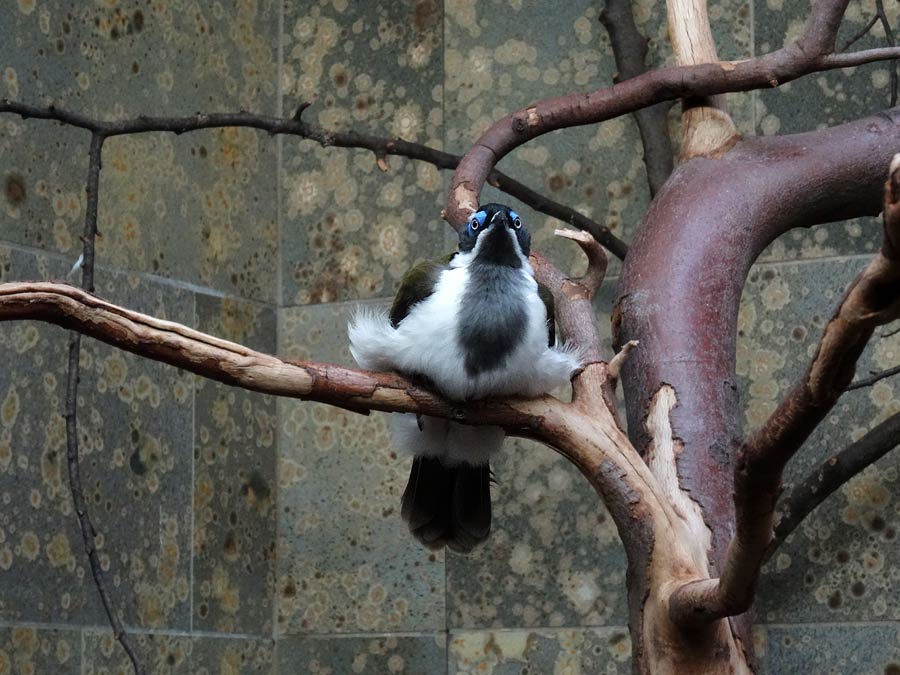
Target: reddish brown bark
column 811, row 52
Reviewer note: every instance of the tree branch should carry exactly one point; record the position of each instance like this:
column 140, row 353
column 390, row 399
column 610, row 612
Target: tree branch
column 812, row 52
column 296, row 126
column 630, row 52
column 706, row 127
column 832, row 474
column 88, row 533
column 877, row 377
column 873, row 299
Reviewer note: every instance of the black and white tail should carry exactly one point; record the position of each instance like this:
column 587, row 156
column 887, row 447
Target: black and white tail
column 448, row 505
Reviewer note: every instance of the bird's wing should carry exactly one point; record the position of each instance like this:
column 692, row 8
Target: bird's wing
column 417, row 284
column 547, row 297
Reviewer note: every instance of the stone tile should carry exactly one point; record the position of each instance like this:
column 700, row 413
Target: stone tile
column 200, row 207
column 234, row 483
column 176, row 655
column 224, row 656
column 553, row 557
column 126, row 58
column 45, row 650
column 135, row 440
column 419, row 655
column 351, row 228
column 842, row 563
column 346, row 562
column 523, row 652
column 839, row 96
column 834, row 650
column 557, row 49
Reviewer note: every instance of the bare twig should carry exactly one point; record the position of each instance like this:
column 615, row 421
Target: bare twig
column 296, row 126
column 877, row 377
column 88, row 533
column 879, row 17
column 832, row 474
column 630, row 51
column 811, row 52
column 872, row 300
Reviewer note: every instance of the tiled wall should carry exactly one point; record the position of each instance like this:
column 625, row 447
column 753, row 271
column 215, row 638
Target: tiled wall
column 243, row 534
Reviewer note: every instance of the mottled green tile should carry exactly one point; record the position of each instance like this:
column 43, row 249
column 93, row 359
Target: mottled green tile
column 234, row 482
column 199, row 207
column 376, row 655
column 135, row 440
column 553, row 557
column 25, row 649
column 839, row 96
column 844, row 649
column 842, row 563
column 352, row 227
column 523, row 652
column 346, row 562
column 177, row 655
column 115, row 58
column 230, row 656
column 557, row 49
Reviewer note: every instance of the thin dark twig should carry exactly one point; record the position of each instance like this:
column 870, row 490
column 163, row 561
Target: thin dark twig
column 88, row 533
column 880, row 16
column 296, row 126
column 859, row 35
column 869, row 381
column 889, row 38
column 832, row 474
column 630, row 51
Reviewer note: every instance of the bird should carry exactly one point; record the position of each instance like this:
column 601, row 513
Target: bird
column 472, row 325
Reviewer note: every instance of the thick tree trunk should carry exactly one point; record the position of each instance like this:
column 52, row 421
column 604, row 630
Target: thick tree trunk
column 678, row 295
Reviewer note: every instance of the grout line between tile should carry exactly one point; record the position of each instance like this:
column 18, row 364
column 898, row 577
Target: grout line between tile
column 279, row 303
column 193, row 484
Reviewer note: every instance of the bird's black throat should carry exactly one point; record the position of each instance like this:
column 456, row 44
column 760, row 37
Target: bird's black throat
column 493, row 315
column 496, row 248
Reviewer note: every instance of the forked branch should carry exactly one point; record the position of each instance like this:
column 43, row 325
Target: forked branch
column 813, row 51
column 296, row 126
column 873, row 299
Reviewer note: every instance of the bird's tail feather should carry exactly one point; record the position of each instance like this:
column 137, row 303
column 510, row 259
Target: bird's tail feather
column 448, row 505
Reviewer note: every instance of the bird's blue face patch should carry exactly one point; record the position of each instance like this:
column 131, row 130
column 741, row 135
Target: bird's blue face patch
column 475, row 223
column 485, row 217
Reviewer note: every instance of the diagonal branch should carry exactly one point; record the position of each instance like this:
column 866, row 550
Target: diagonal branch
column 812, row 52
column 877, row 377
column 832, row 474
column 593, row 442
column 630, row 51
column 296, row 126
column 872, row 300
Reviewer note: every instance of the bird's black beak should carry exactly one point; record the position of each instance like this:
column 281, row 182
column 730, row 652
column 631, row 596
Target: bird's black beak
column 501, row 218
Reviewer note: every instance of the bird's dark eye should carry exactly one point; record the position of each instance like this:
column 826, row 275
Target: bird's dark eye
column 517, row 223
column 474, row 224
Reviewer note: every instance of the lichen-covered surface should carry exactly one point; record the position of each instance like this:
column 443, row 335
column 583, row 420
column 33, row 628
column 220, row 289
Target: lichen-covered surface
column 345, row 560
column 199, row 208
column 240, row 534
column 841, row 564
column 387, row 655
column 234, row 486
column 522, row 652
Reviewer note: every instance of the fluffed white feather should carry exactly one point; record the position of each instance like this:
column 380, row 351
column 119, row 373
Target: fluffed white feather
column 426, row 343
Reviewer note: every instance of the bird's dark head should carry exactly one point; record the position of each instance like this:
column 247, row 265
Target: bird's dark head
column 495, row 234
